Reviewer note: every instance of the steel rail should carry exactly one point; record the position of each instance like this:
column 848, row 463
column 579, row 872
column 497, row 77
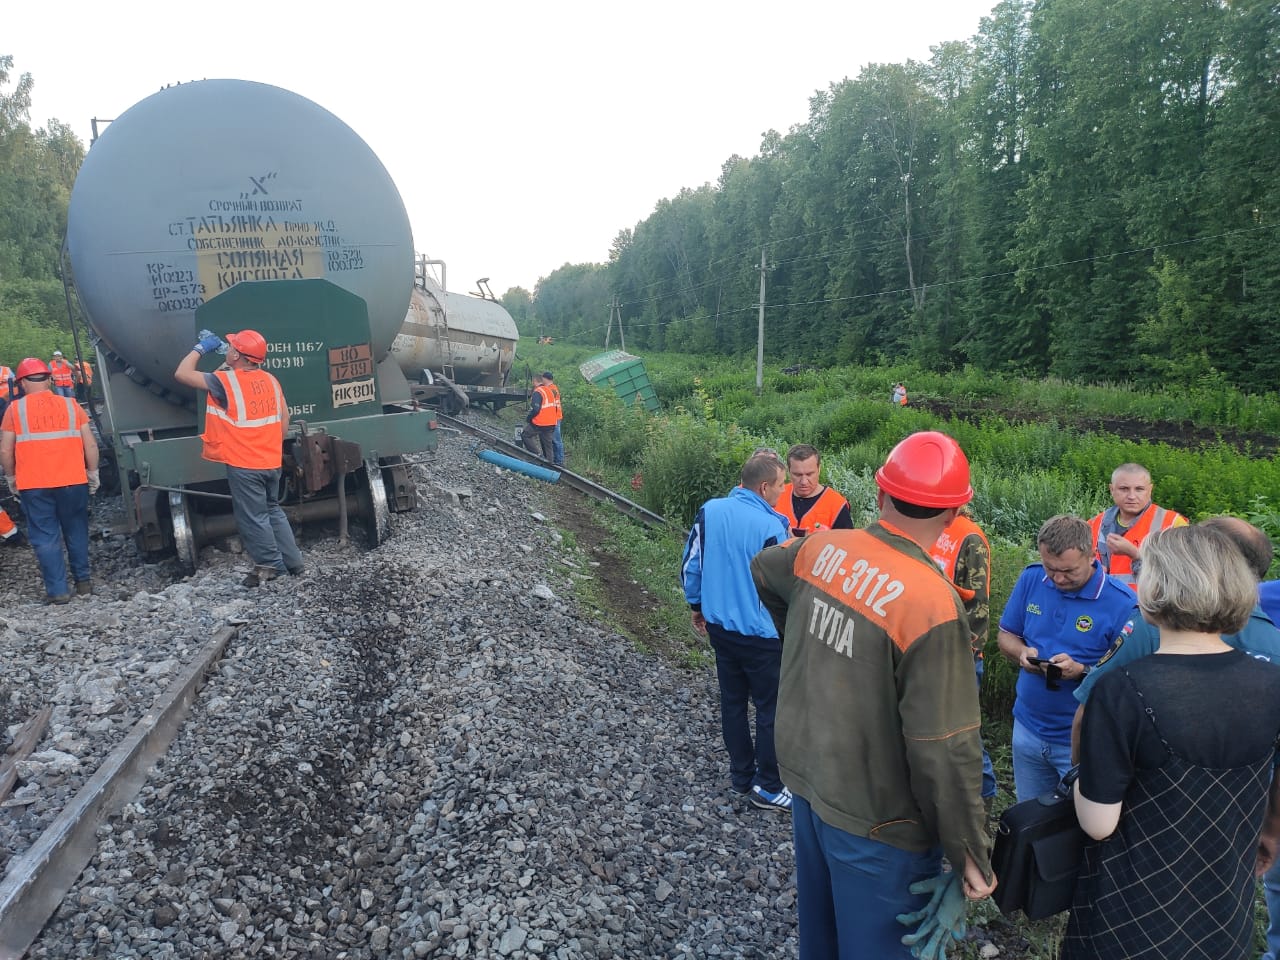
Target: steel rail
column 574, row 480
column 36, row 882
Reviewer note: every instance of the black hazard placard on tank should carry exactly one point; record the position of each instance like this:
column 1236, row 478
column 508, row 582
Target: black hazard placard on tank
column 351, row 375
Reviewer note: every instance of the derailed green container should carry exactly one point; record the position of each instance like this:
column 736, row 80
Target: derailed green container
column 625, row 374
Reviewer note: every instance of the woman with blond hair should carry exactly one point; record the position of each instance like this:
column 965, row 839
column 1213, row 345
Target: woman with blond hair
column 1176, row 757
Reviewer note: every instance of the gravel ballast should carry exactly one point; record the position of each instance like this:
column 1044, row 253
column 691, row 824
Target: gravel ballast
column 427, row 750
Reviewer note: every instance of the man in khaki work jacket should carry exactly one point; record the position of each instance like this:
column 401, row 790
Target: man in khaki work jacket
column 1119, row 530
column 246, row 421
column 50, row 459
column 877, row 720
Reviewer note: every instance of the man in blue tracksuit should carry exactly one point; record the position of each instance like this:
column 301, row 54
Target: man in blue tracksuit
column 715, row 572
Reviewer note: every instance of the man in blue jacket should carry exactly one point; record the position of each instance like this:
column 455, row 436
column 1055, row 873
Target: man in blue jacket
column 715, row 572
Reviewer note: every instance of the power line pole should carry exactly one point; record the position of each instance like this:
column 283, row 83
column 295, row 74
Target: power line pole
column 609, row 329
column 760, row 333
column 622, row 337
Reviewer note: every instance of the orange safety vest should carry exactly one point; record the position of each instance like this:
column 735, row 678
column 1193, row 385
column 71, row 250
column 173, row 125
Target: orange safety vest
column 62, row 372
column 549, row 414
column 946, row 550
column 821, row 516
column 6, row 381
column 84, row 373
column 48, row 447
column 247, row 433
column 1152, row 518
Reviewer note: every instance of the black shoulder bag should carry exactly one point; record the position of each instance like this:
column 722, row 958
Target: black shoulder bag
column 1037, row 854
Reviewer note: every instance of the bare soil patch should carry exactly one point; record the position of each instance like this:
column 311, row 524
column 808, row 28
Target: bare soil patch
column 1182, row 434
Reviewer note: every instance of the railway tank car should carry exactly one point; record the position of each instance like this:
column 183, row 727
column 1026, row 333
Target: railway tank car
column 459, row 349
column 229, row 204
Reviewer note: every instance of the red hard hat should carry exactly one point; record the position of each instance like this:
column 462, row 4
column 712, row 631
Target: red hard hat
column 29, row 366
column 927, row 469
column 250, row 344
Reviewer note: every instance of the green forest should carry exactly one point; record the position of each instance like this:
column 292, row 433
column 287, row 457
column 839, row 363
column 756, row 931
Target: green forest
column 37, row 170
column 1088, row 189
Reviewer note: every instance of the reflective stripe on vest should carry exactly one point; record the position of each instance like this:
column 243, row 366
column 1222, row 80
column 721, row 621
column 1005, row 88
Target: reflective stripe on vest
column 232, row 435
column 47, row 458
column 548, row 414
column 61, row 371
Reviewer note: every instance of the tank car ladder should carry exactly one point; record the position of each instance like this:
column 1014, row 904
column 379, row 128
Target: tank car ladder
column 442, row 327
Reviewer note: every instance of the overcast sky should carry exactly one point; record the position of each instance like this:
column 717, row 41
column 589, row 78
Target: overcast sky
column 522, row 136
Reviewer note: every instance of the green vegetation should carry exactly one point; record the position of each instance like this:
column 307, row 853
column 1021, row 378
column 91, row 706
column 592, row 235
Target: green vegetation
column 1032, row 462
column 37, row 170
column 1086, row 189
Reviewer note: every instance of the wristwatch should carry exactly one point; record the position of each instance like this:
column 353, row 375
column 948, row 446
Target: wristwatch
column 1085, row 670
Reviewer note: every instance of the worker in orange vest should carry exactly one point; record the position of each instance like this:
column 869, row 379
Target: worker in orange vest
column 807, row 504
column 50, row 457
column 1119, row 530
column 544, row 413
column 83, row 373
column 900, row 394
column 964, row 555
column 246, row 421
column 6, row 384
column 63, row 375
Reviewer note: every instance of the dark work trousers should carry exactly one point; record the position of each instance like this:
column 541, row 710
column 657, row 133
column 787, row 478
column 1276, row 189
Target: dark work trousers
column 748, row 668
column 264, row 529
column 540, row 440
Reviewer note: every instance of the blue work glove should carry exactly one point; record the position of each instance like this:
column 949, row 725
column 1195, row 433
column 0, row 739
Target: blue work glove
column 209, row 342
column 940, row 921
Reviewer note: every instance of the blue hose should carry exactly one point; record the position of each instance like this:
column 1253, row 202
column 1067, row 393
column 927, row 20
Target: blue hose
column 511, row 463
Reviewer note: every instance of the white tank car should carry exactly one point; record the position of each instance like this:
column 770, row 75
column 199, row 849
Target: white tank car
column 470, row 340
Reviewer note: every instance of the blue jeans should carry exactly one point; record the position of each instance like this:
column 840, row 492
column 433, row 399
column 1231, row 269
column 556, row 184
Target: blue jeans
column 58, row 515
column 1038, row 764
column 747, row 671
column 1271, row 890
column 557, row 448
column 65, row 391
column 988, row 771
column 851, row 889
column 264, row 529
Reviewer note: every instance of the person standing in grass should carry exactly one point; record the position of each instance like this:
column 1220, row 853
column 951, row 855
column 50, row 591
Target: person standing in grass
column 1061, row 617
column 806, row 503
column 964, row 555
column 1119, row 530
column 878, row 715
column 1176, row 755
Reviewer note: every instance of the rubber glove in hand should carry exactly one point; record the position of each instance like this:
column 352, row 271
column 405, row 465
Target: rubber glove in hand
column 209, row 342
column 941, row 920
column 94, row 481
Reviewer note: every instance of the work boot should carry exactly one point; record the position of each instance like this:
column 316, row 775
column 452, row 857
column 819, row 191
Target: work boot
column 260, row 575
column 84, row 588
column 57, row 598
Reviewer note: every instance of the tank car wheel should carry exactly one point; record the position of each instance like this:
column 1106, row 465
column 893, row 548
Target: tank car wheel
column 374, row 510
column 184, row 538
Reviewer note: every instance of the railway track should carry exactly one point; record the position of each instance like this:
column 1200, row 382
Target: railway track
column 422, row 750
column 36, row 882
column 578, row 482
